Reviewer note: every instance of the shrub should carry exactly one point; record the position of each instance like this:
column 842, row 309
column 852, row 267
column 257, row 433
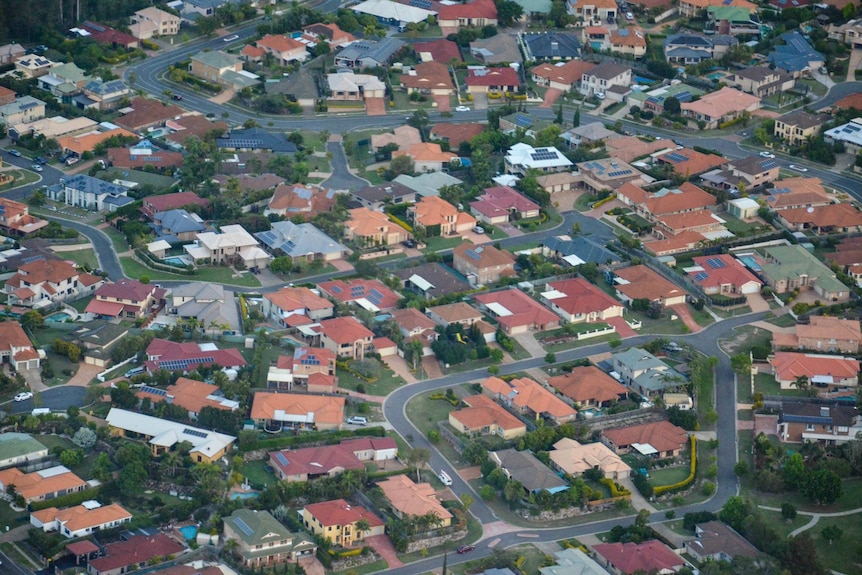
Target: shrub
column 616, row 489
column 643, row 485
column 688, row 480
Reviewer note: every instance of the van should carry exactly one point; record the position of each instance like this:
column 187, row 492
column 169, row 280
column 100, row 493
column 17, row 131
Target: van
column 444, row 478
column 135, row 371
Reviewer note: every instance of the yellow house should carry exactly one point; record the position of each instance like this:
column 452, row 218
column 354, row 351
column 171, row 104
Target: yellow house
column 336, row 521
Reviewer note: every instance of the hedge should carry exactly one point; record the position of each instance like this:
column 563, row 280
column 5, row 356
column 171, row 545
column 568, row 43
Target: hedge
column 326, row 437
column 616, row 490
column 401, row 223
column 70, row 500
column 603, row 201
column 688, row 480
column 453, row 402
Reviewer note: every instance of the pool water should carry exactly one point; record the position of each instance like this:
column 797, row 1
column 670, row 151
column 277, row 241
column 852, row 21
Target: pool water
column 58, row 317
column 177, row 261
column 749, row 261
column 642, row 80
column 238, row 496
column 715, row 76
column 189, row 532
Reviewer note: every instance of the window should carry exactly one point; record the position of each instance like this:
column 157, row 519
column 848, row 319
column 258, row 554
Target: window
column 809, row 427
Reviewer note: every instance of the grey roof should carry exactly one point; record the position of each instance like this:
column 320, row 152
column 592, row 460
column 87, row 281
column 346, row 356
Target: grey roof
column 608, row 70
column 214, row 308
column 240, row 79
column 444, row 280
column 502, row 48
column 99, row 332
column 795, row 55
column 688, row 53
column 637, row 359
column 753, row 165
column 93, row 185
column 551, row 46
column 591, row 131
column 179, row 221
column 572, row 561
column 256, row 139
column 199, row 291
column 300, row 85
column 119, row 201
column 104, row 88
column 19, row 105
column 582, row 247
column 14, row 445
column 686, row 39
column 298, row 240
column 379, row 51
column 524, row 467
column 817, row 413
column 429, row 183
column 216, row 59
column 393, row 190
column 756, row 73
column 804, row 120
column 715, row 537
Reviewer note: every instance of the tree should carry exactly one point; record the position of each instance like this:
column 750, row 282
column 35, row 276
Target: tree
column 467, row 501
column 559, row 118
column 794, row 471
column 788, row 511
column 32, row 320
column 84, row 437
column 801, row 382
column 508, row 12
column 671, row 105
column 741, row 364
column 550, row 357
column 576, row 120
column 417, row 458
column 486, row 492
column 831, row 533
column 740, row 469
column 363, row 525
column 801, row 558
column 823, row 486
column 72, row 457
column 401, row 165
column 734, row 512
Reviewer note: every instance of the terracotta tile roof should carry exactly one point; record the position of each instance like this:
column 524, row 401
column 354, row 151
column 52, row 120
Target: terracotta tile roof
column 853, row 101
column 375, row 291
column 456, row 312
column 38, row 484
column 326, row 409
column 428, row 76
column 345, row 330
column 123, row 158
column 252, row 52
column 412, row 319
column 689, row 163
column 80, row 517
column 797, row 192
column 475, row 9
column 493, row 77
column 439, row 50
column 332, row 33
column 648, row 556
column 588, row 383
column 365, row 222
column 147, row 112
column 829, row 216
column 190, row 394
column 582, row 297
column 488, row 256
column 127, row 290
column 410, row 498
column 298, row 198
column 730, row 272
column 721, row 103
column 635, row 38
column 167, row 202
column 568, row 73
column 646, row 284
column 433, row 210
column 627, row 148
column 137, row 549
column 575, row 458
column 18, row 217
column 193, row 125
column 526, row 393
column 484, row 412
column 13, row 335
column 339, row 512
column 83, row 547
column 523, row 309
column 686, row 198
column 789, row 365
column 42, row 271
column 426, row 152
column 166, row 354
column 88, row 142
column 501, row 200
column 827, row 327
column 663, row 435
column 279, row 43
column 314, row 461
column 456, row 133
column 295, row 299
column 677, row 223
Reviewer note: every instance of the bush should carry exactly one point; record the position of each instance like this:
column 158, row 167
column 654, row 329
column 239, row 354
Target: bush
column 688, row 480
column 616, row 489
column 643, row 485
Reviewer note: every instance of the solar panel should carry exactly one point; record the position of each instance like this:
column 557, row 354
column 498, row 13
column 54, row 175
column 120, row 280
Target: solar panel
column 619, row 173
column 715, row 263
column 523, row 121
column 768, row 164
column 194, row 432
column 32, row 259
column 309, row 360
column 473, row 254
column 375, row 293
column 281, row 458
column 700, row 276
column 243, row 526
column 675, row 157
column 153, row 390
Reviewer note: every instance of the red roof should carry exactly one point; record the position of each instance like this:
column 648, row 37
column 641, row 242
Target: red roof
column 582, row 297
column 339, row 512
column 173, row 356
column 721, row 270
column 136, row 550
column 315, row 460
column 523, row 310
column 107, row 308
column 456, row 133
column 82, row 547
column 440, row 50
column 646, row 557
column 128, row 290
column 476, row 9
column 372, row 290
column 502, row 200
column 156, row 204
column 493, row 77
column 788, row 366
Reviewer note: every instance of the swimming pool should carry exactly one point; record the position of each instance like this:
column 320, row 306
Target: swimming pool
column 189, row 532
column 250, row 495
column 60, row 316
column 642, row 80
column 715, row 76
column 749, row 261
column 179, row 261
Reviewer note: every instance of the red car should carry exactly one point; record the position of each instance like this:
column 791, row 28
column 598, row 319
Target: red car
column 465, row 549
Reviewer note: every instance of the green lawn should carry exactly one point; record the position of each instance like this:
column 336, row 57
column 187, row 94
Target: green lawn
column 439, row 244
column 585, row 202
column 118, row 239
column 386, row 381
column 737, row 226
column 785, row 320
column 785, row 528
column 849, row 500
column 766, row 384
column 22, row 178
column 134, row 269
column 842, row 555
column 424, row 413
column 85, row 258
column 85, row 469
column 668, row 475
column 257, row 474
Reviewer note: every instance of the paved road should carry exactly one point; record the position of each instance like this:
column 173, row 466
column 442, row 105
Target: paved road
column 56, row 399
column 341, row 178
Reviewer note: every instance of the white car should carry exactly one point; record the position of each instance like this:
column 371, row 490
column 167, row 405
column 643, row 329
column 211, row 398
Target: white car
column 36, row 167
column 630, row 16
column 231, row 38
column 478, row 230
column 24, row 396
column 798, row 168
column 767, row 155
column 600, row 95
column 462, row 108
column 357, row 420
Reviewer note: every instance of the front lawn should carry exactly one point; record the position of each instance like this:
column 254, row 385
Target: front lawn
column 135, row 269
column 85, row 258
column 22, row 178
column 385, row 383
column 668, row 475
column 439, row 244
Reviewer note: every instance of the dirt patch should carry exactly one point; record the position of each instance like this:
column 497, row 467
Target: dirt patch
column 223, row 98
column 741, row 340
column 551, row 96
column 470, row 473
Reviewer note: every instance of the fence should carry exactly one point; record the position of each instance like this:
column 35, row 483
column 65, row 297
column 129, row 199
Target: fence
column 450, row 437
column 625, row 418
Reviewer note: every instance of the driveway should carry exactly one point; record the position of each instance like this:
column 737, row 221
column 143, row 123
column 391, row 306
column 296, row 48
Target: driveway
column 853, row 65
column 685, row 315
column 84, row 375
column 480, row 101
column 312, row 565
column 529, row 343
column 375, row 106
column 756, row 302
column 341, row 178
column 383, row 546
column 551, row 96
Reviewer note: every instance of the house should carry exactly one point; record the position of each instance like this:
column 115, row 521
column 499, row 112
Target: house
column 602, row 77
column 376, row 197
column 331, row 33
column 151, row 22
column 483, row 416
column 482, row 265
column 654, row 100
column 142, row 156
column 849, row 33
column 795, row 56
column 630, row 41
column 370, row 53
column 443, row 51
column 723, row 274
column 255, row 139
column 461, row 313
column 640, row 282
column 185, row 357
column 155, row 204
column 609, row 174
column 233, row 245
column 402, row 137
column 136, row 552
column 291, row 410
column 525, row 468
column 571, row 561
column 751, row 172
column 96, row 339
column 42, row 283
column 370, row 228
column 831, row 218
column 500, row 204
column 292, row 306
column 791, row 193
column 372, row 448
column 416, row 326
column 103, row 34
column 692, row 8
column 409, row 499
column 432, row 280
column 249, row 184
column 661, row 439
column 797, row 126
column 427, row 156
column 577, row 300
column 64, row 80
column 214, row 308
column 717, row 541
column 372, row 295
column 290, row 200
column 88, row 518
column 732, row 20
column 688, row 163
column 345, row 336
column 523, row 158
column 588, row 134
column 829, row 424
column 33, row 66
column 720, row 107
column 630, row 558
column 550, row 46
column 498, row 49
column 517, row 312
column 565, row 77
column 788, row 268
column 835, row 373
column 478, row 13
column 301, row 366
column 850, row 134
column 80, row 143
column 629, row 148
column 145, row 113
column 223, row 69
column 42, row 485
column 576, row 251
column 178, row 226
column 283, row 49
column 439, row 217
column 593, row 11
column 454, row 135
column 263, row 540
column 849, row 102
column 429, row 78
column 574, row 458
column 588, row 387
column 9, row 53
column 492, row 80
column 645, row 373
column 309, row 463
column 301, row 242
column 824, row 334
column 189, row 394
column 7, row 96
column 20, row 449
column 529, row 399
column 761, row 81
column 15, row 219
column 336, row 522
column 88, row 193
column 126, row 299
column 16, row 348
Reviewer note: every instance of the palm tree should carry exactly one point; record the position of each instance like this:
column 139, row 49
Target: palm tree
column 362, row 526
column 172, row 460
column 801, row 382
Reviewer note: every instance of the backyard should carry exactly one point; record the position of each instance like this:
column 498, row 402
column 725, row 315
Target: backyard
column 85, row 258
column 135, row 269
column 383, row 382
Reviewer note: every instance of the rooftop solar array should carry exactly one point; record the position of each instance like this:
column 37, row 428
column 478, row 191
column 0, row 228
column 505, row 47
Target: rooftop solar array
column 194, row 432
column 768, row 164
column 32, row 259
column 281, row 458
column 424, row 4
column 523, row 121
column 715, row 263
column 475, row 254
column 309, row 360
column 336, row 289
column 243, row 526
column 675, row 157
column 375, row 297
column 700, row 276
column 178, row 364
column 620, row 173
column 544, row 154
column 154, row 390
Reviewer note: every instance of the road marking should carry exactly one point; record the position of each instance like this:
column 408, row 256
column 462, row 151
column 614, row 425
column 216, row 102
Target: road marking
column 494, row 542
column 530, row 535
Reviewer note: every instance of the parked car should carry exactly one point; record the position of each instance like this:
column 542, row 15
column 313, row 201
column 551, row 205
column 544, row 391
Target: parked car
column 478, row 230
column 600, row 95
column 36, row 168
column 798, row 168
column 767, row 155
column 41, row 160
column 465, row 549
column 409, row 244
column 630, row 16
column 15, row 153
column 462, row 108
column 24, row 396
column 177, row 97
column 72, row 161
column 357, row 420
